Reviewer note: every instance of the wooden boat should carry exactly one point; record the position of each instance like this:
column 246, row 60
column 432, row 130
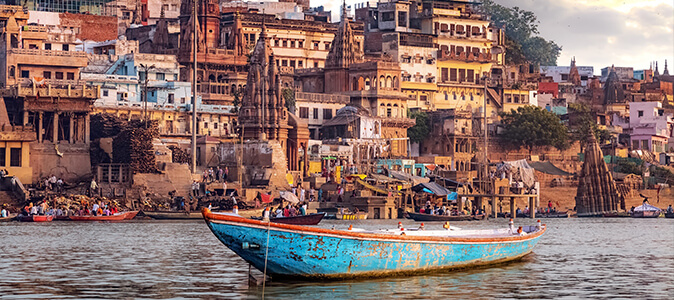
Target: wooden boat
column 433, row 218
column 35, row 218
column 173, row 215
column 11, row 217
column 292, row 251
column 669, row 215
column 646, row 211
column 620, row 214
column 554, row 215
column 310, row 219
column 351, row 216
column 131, row 214
column 116, row 217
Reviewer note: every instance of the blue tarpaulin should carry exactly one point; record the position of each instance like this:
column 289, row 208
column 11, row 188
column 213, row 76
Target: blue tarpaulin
column 431, row 188
column 452, row 196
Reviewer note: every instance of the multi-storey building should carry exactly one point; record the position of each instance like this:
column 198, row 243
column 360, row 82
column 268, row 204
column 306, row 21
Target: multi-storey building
column 444, row 48
column 40, row 71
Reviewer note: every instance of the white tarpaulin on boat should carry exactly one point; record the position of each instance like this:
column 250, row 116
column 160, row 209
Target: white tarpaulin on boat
column 646, row 207
column 290, row 197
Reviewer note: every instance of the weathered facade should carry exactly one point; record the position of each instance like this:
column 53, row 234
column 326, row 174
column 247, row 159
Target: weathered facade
column 42, row 89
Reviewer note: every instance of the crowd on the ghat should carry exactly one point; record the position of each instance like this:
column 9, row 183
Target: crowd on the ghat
column 434, row 209
column 290, row 210
column 62, row 206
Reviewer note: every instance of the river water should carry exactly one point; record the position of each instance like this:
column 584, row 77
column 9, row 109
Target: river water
column 577, row 258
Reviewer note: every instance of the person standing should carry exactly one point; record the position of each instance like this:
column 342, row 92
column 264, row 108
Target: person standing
column 226, row 173
column 195, row 188
column 93, row 186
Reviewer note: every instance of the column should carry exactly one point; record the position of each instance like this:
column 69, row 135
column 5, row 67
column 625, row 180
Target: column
column 55, row 128
column 25, row 117
column 72, row 128
column 532, row 207
column 493, row 207
column 512, row 208
column 87, row 119
column 39, row 127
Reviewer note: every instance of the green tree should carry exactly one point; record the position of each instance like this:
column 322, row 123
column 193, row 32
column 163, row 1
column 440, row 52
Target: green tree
column 422, row 129
column 581, row 123
column 522, row 41
column 532, row 126
column 289, row 97
column 237, row 101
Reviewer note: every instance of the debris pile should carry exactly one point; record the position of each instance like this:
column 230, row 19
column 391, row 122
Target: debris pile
column 180, row 155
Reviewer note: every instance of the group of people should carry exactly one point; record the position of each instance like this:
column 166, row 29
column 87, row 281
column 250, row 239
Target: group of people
column 4, row 213
column 215, row 174
column 289, row 210
column 54, row 184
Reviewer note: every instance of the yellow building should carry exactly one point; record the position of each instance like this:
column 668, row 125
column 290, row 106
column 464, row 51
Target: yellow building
column 514, row 98
column 15, row 154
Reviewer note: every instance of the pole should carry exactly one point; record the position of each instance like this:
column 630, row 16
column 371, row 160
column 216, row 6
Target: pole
column 486, row 163
column 145, row 98
column 194, row 88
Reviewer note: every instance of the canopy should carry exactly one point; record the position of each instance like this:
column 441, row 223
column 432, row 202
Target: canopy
column 407, row 177
column 290, row 197
column 520, row 170
column 431, row 188
column 371, row 187
column 548, row 168
column 646, row 207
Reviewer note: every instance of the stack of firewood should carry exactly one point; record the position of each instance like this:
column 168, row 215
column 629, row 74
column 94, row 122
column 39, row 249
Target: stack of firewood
column 180, row 155
column 134, row 146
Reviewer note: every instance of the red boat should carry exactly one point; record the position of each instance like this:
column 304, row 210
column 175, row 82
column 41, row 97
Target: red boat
column 116, row 217
column 311, row 219
column 35, row 218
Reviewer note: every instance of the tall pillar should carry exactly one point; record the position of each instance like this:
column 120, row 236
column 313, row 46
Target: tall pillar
column 25, row 117
column 55, row 128
column 493, row 207
column 513, row 215
column 87, row 119
column 532, row 207
column 39, row 126
column 71, row 136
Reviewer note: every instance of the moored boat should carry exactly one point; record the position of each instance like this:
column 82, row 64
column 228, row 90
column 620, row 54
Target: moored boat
column 35, row 218
column 116, row 217
column 646, row 211
column 310, row 219
column 351, row 216
column 131, row 214
column 439, row 218
column 669, row 215
column 172, row 215
column 291, row 251
column 554, row 215
column 11, row 217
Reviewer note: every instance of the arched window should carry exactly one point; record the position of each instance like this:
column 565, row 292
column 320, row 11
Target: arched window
column 361, row 83
column 211, row 78
column 388, row 82
column 382, row 81
column 354, row 86
column 395, row 81
column 12, row 71
column 446, row 96
column 367, row 84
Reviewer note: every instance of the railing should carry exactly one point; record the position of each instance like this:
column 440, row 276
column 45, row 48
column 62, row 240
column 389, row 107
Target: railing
column 106, row 77
column 41, row 52
column 322, row 98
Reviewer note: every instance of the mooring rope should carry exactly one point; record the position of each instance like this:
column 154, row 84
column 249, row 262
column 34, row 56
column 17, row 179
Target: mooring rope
column 266, row 253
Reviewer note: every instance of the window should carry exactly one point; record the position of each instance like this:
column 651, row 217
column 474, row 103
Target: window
column 316, row 47
column 3, row 152
column 66, row 47
column 407, row 59
column 300, row 64
column 444, row 75
column 32, row 46
column 423, row 98
column 15, row 157
column 285, row 43
column 292, row 63
column 105, row 93
column 161, row 76
column 452, row 74
column 327, row 46
column 292, row 44
column 462, row 75
column 470, row 76
column 315, row 113
column 304, row 112
column 564, row 76
column 206, row 125
column 402, row 18
column 26, row 74
column 70, row 76
column 387, row 16
column 300, row 44
column 640, row 113
column 171, row 98
column 182, row 100
column 430, row 79
column 327, row 114
column 46, row 75
column 284, row 63
column 315, row 64
column 215, row 125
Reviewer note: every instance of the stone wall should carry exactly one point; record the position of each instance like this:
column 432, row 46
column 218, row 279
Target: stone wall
column 259, row 158
column 68, row 161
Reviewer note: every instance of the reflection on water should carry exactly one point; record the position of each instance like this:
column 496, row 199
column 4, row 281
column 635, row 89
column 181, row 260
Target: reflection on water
column 577, row 258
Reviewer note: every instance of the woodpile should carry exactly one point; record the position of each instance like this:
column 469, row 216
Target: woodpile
column 180, row 155
column 597, row 193
column 134, row 147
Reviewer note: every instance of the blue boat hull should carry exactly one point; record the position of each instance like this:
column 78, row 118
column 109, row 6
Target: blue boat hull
column 294, row 253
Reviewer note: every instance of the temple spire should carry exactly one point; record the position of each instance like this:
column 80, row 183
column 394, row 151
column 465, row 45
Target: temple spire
column 657, row 73
column 665, row 71
column 344, row 49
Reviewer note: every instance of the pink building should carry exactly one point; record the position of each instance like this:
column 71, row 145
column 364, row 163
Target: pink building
column 649, row 127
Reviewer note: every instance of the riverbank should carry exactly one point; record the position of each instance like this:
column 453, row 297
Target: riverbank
column 564, row 198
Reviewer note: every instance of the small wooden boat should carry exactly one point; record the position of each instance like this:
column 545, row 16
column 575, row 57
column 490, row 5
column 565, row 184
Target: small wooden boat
column 35, row 218
column 669, row 215
column 554, row 215
column 11, row 217
column 438, row 218
column 351, row 216
column 310, row 219
column 173, row 215
column 617, row 214
column 131, row 214
column 116, row 217
column 290, row 251
column 646, row 211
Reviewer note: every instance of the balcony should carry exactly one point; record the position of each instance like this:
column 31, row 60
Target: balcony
column 51, row 89
column 322, row 98
column 465, row 56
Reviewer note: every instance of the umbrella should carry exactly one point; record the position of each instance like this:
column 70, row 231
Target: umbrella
column 290, row 197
